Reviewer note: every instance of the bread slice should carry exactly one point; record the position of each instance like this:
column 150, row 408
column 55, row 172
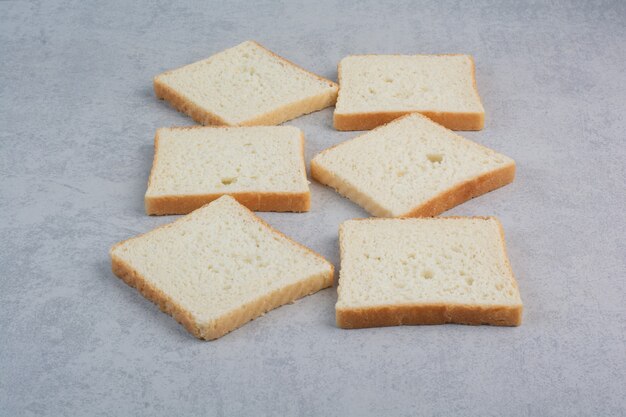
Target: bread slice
column 375, row 89
column 262, row 167
column 244, row 86
column 425, row 271
column 218, row 268
column 411, row 167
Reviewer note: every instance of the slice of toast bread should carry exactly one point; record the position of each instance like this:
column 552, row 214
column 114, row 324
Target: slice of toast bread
column 411, row 167
column 246, row 85
column 262, row 167
column 376, row 89
column 425, row 271
column 218, row 268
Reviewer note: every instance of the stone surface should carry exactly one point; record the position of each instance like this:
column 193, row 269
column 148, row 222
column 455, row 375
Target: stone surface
column 77, row 120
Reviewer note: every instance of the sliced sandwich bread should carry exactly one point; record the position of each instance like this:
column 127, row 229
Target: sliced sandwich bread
column 425, row 271
column 244, row 86
column 262, row 167
column 375, row 89
column 411, row 167
column 218, row 268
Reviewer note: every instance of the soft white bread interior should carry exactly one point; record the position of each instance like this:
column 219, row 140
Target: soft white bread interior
column 243, row 86
column 219, row 267
column 411, row 167
column 425, row 271
column 262, row 167
column 375, row 89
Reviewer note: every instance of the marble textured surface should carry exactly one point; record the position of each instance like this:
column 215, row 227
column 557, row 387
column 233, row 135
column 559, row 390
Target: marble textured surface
column 77, row 119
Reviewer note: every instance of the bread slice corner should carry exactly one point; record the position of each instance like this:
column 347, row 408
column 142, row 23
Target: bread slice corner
column 218, row 268
column 425, row 271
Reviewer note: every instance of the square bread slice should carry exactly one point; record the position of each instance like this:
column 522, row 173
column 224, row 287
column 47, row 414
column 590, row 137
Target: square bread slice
column 375, row 89
column 425, row 271
column 411, row 167
column 244, row 86
column 218, row 268
column 262, row 167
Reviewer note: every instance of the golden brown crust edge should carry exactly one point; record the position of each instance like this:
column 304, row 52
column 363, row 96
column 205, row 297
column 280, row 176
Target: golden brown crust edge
column 255, row 201
column 292, row 110
column 235, row 318
column 232, row 320
column 510, row 268
column 131, row 277
column 368, row 121
column 323, row 176
column 184, row 105
column 418, row 314
column 453, row 121
column 277, row 116
column 185, row 204
column 475, row 85
column 249, row 311
column 444, row 201
column 465, row 191
column 302, row 107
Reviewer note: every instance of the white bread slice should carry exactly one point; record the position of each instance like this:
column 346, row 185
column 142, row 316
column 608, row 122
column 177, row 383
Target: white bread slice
column 218, row 268
column 375, row 89
column 411, row 167
column 262, row 167
column 425, row 271
column 244, row 86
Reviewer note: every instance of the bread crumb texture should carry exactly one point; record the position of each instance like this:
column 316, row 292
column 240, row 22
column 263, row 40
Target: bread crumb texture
column 222, row 160
column 458, row 261
column 396, row 168
column 219, row 267
column 245, row 85
column 392, row 83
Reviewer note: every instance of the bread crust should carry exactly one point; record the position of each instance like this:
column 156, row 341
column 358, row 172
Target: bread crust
column 277, row 116
column 186, row 105
column 235, row 318
column 464, row 191
column 421, row 314
column 255, row 201
column 432, row 313
column 442, row 202
column 445, row 200
column 325, row 177
column 368, row 121
column 451, row 120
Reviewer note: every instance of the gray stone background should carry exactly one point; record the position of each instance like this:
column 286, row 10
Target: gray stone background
column 77, row 119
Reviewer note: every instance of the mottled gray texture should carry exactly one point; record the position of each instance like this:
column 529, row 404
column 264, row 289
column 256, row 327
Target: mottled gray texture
column 77, row 119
